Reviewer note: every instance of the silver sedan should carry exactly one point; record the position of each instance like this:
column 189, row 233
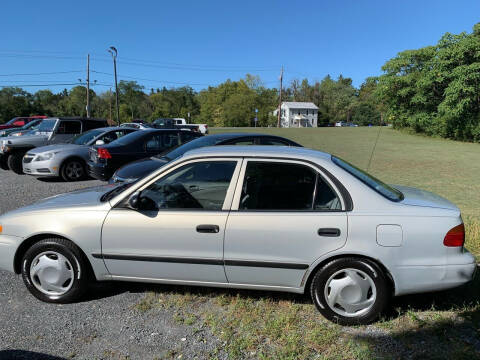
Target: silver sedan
column 256, row 217
column 69, row 160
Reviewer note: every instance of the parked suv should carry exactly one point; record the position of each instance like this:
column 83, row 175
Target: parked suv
column 51, row 131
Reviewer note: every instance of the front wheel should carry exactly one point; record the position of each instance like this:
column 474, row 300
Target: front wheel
column 73, row 170
column 15, row 163
column 350, row 291
column 53, row 270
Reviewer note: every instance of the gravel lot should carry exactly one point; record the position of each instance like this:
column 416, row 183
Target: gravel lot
column 104, row 326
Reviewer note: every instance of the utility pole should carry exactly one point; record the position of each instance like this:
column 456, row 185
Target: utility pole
column 114, row 53
column 110, row 98
column 88, row 85
column 280, row 99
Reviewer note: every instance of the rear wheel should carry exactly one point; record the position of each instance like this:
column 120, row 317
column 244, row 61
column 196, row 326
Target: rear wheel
column 15, row 163
column 350, row 291
column 73, row 170
column 53, row 270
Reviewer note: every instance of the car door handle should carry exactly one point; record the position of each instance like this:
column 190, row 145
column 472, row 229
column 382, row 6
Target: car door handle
column 329, row 232
column 212, row 229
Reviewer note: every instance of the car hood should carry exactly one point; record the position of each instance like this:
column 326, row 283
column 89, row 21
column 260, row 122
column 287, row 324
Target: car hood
column 139, row 168
column 25, row 138
column 56, row 147
column 417, row 197
column 89, row 197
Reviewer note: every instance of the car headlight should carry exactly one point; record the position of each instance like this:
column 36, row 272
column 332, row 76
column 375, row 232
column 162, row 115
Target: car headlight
column 44, row 157
column 17, row 134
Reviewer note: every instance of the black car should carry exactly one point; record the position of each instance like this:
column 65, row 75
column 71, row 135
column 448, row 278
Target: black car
column 140, row 168
column 105, row 159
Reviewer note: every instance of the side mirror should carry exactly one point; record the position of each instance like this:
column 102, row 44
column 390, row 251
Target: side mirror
column 99, row 142
column 133, row 201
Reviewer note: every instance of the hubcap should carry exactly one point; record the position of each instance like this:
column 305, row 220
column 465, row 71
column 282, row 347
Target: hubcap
column 74, row 170
column 51, row 273
column 350, row 292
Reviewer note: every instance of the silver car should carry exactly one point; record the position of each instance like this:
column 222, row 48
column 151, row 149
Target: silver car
column 69, row 160
column 254, row 217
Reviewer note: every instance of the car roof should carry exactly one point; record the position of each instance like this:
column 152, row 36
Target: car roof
column 76, row 118
column 113, row 128
column 258, row 151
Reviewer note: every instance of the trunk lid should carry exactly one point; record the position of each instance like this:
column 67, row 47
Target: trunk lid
column 417, row 197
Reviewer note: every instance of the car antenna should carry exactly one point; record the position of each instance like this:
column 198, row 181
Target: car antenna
column 374, row 146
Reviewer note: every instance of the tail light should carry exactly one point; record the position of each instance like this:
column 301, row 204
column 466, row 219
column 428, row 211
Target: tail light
column 103, row 153
column 455, row 236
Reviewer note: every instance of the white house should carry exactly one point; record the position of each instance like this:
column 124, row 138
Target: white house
column 298, row 114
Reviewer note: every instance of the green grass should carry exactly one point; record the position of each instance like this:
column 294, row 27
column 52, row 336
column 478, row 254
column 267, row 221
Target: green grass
column 262, row 325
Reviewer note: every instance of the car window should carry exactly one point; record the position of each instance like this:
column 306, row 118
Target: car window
column 19, row 123
column 169, row 140
column 113, row 135
column 160, row 141
column 69, row 127
column 326, row 199
column 372, row 182
column 279, row 186
column 201, row 185
column 241, row 141
column 188, row 135
column 271, row 141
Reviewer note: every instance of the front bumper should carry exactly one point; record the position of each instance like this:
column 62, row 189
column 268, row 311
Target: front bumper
column 99, row 171
column 40, row 168
column 8, row 248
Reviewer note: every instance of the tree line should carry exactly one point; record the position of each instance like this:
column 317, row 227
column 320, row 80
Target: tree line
column 433, row 90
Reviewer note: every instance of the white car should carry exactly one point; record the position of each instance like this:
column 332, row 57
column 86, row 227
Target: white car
column 255, row 217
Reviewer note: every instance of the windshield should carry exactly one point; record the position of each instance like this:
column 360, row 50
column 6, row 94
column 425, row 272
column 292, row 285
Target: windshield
column 12, row 121
column 194, row 144
column 377, row 185
column 32, row 125
column 47, row 125
column 86, row 137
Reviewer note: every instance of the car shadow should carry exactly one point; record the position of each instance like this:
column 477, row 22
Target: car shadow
column 457, row 299
column 26, row 355
column 58, row 179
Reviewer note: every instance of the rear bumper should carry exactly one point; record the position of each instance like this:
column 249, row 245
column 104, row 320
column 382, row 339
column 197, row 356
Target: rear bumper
column 99, row 171
column 418, row 279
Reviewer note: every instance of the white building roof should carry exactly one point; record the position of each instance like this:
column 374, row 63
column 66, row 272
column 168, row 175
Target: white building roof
column 300, row 105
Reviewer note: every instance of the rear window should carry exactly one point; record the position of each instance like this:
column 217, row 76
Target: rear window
column 377, row 185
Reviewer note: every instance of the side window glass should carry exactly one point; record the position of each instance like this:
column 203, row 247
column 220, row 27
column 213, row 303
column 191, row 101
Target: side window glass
column 170, row 140
column 69, row 127
column 277, row 186
column 187, row 136
column 154, row 143
column 268, row 141
column 325, row 197
column 248, row 141
column 19, row 123
column 201, row 185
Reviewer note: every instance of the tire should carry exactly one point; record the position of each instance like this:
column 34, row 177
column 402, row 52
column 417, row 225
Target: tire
column 350, row 291
column 14, row 162
column 73, row 170
column 65, row 264
column 3, row 163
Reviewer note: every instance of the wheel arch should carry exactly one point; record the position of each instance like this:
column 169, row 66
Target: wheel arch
column 313, row 271
column 27, row 243
column 72, row 157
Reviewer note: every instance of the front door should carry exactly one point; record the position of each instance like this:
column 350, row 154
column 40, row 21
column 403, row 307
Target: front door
column 284, row 216
column 178, row 233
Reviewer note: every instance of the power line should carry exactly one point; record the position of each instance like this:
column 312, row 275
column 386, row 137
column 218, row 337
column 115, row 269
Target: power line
column 43, row 73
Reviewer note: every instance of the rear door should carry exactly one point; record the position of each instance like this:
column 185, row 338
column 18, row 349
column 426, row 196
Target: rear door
column 285, row 214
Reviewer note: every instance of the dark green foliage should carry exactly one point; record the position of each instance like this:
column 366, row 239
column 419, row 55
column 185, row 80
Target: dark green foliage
column 436, row 89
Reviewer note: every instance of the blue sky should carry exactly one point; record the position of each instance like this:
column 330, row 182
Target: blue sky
column 201, row 43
